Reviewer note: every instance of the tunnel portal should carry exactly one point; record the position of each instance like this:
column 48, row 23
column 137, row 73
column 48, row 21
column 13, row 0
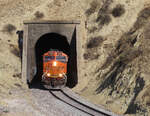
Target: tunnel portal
column 44, row 44
column 40, row 37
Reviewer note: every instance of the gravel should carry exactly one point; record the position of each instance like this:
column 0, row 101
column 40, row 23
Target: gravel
column 50, row 106
column 40, row 102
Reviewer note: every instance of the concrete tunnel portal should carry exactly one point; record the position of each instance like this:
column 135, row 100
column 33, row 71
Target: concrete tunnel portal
column 40, row 37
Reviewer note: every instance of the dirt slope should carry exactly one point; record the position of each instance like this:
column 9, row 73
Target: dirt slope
column 115, row 63
column 116, row 56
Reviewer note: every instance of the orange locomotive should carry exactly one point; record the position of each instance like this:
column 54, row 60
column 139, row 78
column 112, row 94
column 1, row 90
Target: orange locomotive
column 54, row 69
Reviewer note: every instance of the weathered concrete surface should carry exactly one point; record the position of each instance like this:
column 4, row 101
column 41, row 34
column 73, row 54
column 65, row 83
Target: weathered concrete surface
column 33, row 30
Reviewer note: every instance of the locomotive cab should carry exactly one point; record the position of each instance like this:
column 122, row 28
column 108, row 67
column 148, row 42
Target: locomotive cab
column 54, row 69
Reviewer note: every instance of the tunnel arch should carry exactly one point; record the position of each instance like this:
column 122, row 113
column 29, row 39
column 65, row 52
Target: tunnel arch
column 52, row 41
column 44, row 44
column 34, row 31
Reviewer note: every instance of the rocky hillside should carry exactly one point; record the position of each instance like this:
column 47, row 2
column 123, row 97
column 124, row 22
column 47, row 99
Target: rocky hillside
column 117, row 56
column 115, row 63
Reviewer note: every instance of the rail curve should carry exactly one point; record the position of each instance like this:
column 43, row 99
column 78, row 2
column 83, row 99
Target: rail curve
column 66, row 96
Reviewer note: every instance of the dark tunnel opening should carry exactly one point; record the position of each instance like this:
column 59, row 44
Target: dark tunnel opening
column 59, row 42
column 72, row 80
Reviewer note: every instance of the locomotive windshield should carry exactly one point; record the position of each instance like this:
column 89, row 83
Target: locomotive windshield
column 49, row 58
column 61, row 58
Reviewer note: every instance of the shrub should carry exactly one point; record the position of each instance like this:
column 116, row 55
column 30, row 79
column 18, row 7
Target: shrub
column 105, row 7
column 118, row 11
column 86, row 56
column 92, row 30
column 92, row 9
column 104, row 19
column 103, row 14
column 38, row 15
column 17, row 75
column 18, row 85
column 94, row 42
column 9, row 28
column 90, row 55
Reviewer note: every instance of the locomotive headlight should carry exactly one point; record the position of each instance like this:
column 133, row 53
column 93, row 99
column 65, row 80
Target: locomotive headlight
column 55, row 63
column 48, row 74
column 60, row 75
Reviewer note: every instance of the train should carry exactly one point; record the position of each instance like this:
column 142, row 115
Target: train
column 54, row 69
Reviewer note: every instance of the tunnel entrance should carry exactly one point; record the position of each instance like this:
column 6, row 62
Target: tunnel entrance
column 58, row 42
column 44, row 44
column 41, row 36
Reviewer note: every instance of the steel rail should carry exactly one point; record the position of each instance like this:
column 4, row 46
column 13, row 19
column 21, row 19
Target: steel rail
column 69, row 103
column 64, row 97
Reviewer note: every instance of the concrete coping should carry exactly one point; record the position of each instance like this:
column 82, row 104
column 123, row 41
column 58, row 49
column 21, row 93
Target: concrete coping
column 51, row 22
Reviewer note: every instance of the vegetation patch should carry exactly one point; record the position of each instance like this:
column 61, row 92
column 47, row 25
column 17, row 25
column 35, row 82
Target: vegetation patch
column 90, row 55
column 120, row 57
column 95, row 42
column 38, row 15
column 18, row 85
column 92, row 30
column 103, row 19
column 17, row 75
column 92, row 45
column 103, row 14
column 118, row 10
column 92, row 9
column 104, row 8
column 9, row 28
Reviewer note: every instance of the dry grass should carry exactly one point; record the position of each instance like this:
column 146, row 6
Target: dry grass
column 9, row 28
column 118, row 10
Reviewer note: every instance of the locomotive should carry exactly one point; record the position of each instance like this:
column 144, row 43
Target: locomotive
column 54, row 69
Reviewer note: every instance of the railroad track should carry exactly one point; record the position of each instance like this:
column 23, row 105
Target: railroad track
column 63, row 96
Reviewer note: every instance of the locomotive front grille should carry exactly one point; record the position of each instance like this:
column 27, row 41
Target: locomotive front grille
column 54, row 75
column 57, row 69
